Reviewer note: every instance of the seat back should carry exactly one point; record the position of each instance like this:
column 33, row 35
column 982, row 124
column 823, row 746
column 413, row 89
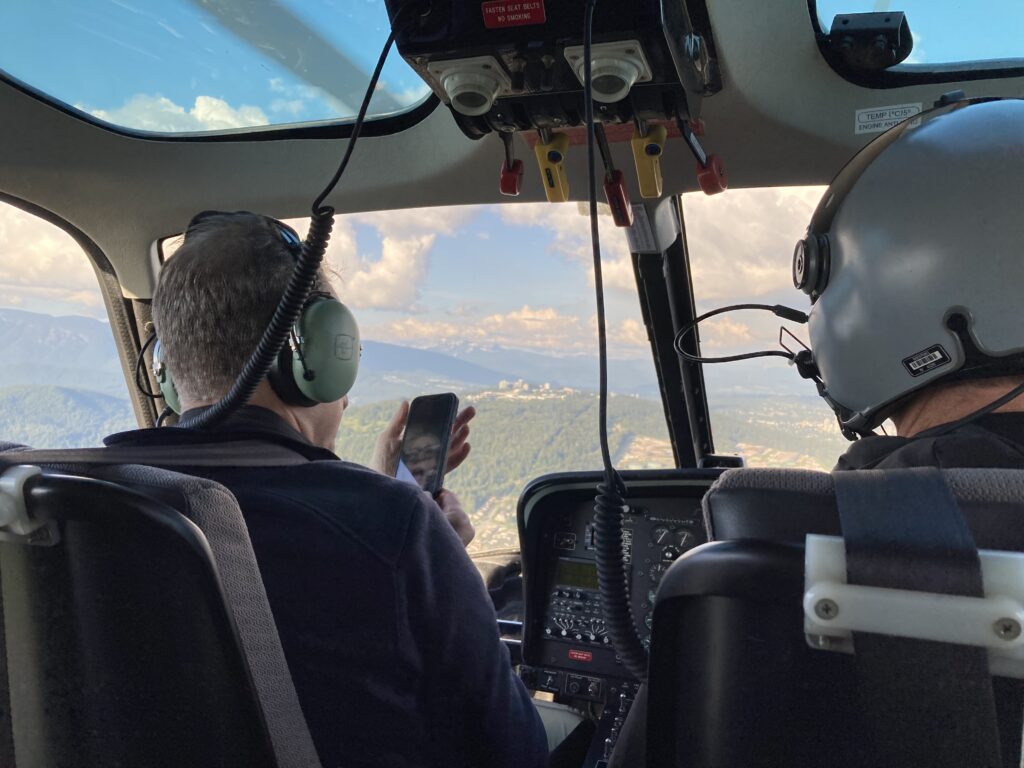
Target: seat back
column 142, row 631
column 733, row 681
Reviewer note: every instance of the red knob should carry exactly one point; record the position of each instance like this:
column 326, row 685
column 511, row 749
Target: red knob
column 511, row 178
column 711, row 177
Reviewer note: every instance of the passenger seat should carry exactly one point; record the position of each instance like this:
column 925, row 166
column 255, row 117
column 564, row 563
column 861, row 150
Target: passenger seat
column 60, row 584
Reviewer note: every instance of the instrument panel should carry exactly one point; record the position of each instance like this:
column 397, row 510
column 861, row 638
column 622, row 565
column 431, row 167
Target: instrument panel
column 566, row 649
column 565, row 635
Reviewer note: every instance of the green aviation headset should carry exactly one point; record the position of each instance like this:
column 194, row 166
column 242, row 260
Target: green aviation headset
column 321, row 359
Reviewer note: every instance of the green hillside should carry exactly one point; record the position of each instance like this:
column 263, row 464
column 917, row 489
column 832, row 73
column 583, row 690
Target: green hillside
column 519, row 434
column 60, row 417
column 522, row 433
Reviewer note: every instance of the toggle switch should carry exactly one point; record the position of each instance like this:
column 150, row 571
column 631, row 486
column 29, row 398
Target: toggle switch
column 647, row 151
column 551, row 160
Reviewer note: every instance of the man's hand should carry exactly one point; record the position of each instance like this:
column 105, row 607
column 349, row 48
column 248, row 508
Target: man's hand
column 389, row 442
column 456, row 516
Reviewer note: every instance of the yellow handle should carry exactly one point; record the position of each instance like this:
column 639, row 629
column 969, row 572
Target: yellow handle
column 647, row 156
column 551, row 159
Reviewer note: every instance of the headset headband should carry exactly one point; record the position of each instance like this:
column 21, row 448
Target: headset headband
column 288, row 236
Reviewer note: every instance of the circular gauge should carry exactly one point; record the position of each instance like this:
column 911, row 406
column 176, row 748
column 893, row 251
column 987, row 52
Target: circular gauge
column 685, row 539
column 661, row 535
column 668, row 554
column 656, row 572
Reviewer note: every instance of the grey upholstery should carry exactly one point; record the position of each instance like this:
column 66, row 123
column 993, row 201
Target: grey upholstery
column 215, row 512
column 787, row 504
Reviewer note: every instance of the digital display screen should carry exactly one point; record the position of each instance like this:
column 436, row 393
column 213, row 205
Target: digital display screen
column 577, row 573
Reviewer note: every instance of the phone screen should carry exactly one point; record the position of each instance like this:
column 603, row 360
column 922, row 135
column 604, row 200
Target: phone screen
column 425, row 445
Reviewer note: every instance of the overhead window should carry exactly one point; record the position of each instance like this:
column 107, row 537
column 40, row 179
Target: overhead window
column 951, row 41
column 184, row 66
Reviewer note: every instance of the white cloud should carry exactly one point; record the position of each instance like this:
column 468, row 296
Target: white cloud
column 533, row 328
column 629, row 333
column 43, row 268
column 741, row 242
column 158, row 113
column 393, row 279
column 723, row 333
column 570, row 238
column 301, row 101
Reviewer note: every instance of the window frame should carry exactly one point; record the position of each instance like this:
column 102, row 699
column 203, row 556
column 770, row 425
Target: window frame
column 903, row 75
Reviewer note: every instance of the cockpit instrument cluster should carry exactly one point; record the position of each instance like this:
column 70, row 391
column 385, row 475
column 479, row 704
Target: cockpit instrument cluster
column 566, row 648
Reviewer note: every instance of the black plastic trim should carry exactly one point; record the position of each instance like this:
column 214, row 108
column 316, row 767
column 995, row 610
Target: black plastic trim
column 342, row 129
column 910, row 74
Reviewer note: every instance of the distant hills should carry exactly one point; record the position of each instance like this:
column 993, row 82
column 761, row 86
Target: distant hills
column 79, row 353
column 71, row 351
column 61, row 384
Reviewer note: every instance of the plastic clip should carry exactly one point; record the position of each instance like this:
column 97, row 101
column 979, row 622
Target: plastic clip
column 648, row 147
column 834, row 609
column 15, row 522
column 551, row 151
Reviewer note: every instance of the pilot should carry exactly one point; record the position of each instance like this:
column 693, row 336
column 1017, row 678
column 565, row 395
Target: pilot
column 915, row 265
column 914, row 262
column 386, row 625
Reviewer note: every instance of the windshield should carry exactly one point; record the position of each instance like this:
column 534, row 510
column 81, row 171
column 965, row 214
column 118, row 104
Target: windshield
column 496, row 304
column 195, row 65
column 741, row 244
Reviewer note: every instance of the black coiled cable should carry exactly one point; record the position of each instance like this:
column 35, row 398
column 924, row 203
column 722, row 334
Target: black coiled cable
column 610, row 505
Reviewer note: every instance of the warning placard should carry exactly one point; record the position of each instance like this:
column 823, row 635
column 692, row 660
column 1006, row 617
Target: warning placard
column 878, row 119
column 499, row 14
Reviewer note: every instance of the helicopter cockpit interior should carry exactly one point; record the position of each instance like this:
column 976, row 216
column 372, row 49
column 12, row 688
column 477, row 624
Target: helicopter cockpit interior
column 659, row 576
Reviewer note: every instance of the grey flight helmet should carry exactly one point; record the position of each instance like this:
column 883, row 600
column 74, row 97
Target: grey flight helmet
column 914, row 260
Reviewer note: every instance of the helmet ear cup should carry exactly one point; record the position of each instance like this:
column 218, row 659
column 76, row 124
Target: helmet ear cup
column 811, row 265
column 321, row 360
column 162, row 374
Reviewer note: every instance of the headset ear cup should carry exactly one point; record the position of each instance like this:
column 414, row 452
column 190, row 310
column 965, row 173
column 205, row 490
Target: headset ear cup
column 282, row 380
column 328, row 339
column 811, row 264
column 162, row 374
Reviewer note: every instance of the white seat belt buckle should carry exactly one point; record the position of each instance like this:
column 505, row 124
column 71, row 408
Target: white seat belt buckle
column 15, row 522
column 834, row 610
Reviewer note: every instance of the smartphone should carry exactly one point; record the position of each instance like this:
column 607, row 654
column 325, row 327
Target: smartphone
column 428, row 432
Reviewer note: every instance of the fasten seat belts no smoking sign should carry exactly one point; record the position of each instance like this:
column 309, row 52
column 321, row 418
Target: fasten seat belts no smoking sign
column 499, row 14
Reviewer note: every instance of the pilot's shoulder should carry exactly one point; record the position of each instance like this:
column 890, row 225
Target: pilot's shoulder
column 378, row 510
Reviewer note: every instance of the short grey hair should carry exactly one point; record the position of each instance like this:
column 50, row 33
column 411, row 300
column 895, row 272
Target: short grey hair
column 216, row 296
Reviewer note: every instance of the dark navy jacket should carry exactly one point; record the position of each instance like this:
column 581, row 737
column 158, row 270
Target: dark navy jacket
column 995, row 441
column 387, row 627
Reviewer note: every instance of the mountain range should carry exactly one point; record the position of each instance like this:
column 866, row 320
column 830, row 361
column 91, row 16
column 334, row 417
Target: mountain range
column 79, row 353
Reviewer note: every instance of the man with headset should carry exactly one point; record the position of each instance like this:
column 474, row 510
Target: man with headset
column 914, row 262
column 387, row 628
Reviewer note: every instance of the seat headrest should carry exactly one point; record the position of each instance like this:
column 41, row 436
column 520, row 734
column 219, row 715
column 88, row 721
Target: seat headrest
column 787, row 504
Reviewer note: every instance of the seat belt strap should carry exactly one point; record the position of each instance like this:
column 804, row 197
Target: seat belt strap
column 924, row 703
column 239, row 453
column 6, row 717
